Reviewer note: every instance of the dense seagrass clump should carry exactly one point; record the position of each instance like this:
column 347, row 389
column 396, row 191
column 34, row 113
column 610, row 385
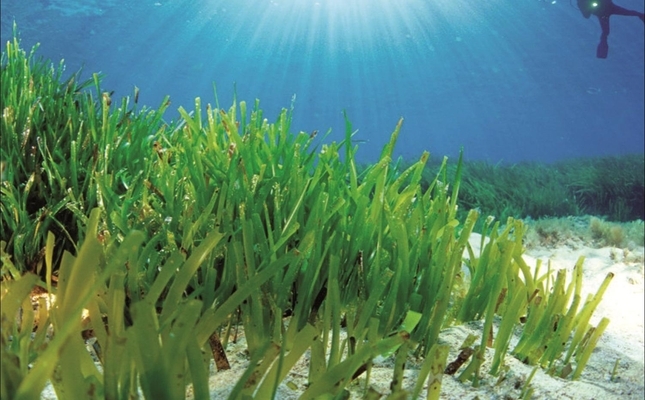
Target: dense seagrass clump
column 169, row 235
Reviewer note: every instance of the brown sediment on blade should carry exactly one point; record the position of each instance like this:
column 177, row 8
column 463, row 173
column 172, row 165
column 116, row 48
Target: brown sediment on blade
column 219, row 355
column 463, row 356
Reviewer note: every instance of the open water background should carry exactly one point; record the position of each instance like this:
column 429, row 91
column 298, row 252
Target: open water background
column 507, row 80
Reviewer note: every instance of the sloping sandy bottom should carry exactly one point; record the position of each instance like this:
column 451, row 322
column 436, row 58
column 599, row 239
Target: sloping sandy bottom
column 623, row 340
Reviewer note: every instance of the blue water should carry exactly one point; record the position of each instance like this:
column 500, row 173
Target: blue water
column 507, row 80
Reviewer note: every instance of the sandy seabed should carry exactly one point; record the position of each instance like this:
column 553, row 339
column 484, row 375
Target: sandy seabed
column 623, row 340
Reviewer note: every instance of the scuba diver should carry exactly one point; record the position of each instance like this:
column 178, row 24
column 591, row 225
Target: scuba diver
column 603, row 9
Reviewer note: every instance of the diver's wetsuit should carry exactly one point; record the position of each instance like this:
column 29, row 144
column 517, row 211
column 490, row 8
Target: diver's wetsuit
column 603, row 9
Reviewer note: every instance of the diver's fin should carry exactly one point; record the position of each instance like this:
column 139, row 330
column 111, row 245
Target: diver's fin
column 602, row 50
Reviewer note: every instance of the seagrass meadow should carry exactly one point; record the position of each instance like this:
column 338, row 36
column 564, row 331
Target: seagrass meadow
column 609, row 187
column 154, row 241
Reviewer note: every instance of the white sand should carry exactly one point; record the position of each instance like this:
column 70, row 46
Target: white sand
column 622, row 340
